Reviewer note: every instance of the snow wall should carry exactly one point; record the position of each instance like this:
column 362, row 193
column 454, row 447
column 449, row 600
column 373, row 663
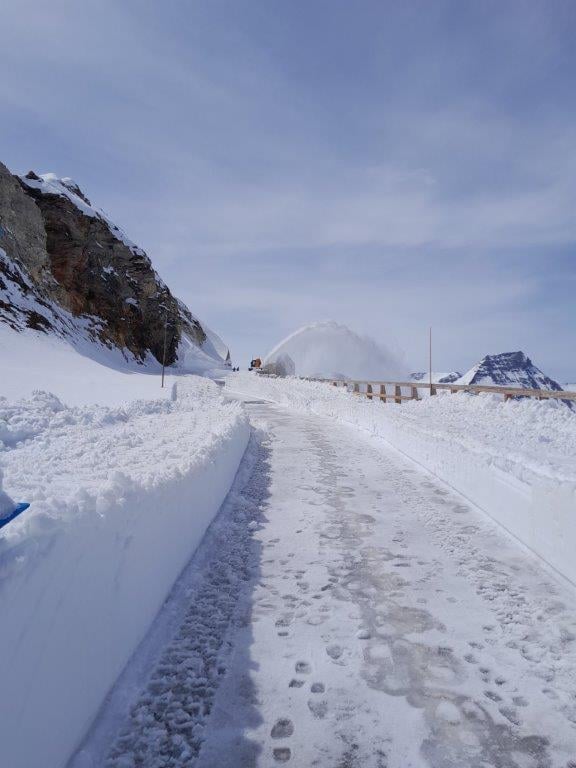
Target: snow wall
column 515, row 460
column 78, row 594
column 539, row 511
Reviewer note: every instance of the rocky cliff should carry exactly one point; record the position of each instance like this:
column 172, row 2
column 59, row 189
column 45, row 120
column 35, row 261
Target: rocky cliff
column 65, row 267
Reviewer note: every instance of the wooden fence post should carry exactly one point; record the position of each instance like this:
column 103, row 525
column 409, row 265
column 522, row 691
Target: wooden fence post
column 369, row 391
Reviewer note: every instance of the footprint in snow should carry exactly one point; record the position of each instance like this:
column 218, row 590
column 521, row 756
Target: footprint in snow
column 334, row 651
column 318, row 708
column 303, row 668
column 282, row 754
column 492, row 695
column 282, row 729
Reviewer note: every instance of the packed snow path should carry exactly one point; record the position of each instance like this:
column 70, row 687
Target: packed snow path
column 365, row 617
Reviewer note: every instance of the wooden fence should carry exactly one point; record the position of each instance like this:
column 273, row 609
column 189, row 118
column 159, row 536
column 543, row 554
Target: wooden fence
column 408, row 390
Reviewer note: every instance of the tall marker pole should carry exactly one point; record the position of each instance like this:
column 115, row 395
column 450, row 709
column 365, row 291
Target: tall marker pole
column 164, row 352
column 430, row 356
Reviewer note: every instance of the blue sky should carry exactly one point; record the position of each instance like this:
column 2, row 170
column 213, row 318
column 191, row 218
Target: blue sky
column 388, row 165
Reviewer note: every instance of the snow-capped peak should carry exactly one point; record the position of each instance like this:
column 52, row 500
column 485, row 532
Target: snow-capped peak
column 509, row 369
column 51, row 184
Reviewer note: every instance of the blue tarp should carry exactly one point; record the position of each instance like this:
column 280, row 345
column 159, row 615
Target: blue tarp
column 19, row 508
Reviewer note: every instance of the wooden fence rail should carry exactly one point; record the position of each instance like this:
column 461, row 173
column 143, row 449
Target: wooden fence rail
column 396, row 390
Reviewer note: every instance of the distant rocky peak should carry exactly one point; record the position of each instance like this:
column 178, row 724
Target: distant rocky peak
column 51, row 184
column 509, row 369
column 437, row 378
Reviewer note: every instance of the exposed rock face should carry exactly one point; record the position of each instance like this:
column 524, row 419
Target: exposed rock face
column 24, row 264
column 22, row 233
column 437, row 378
column 509, row 369
column 65, row 252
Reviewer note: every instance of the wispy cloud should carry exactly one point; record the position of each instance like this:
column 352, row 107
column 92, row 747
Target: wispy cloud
column 387, row 165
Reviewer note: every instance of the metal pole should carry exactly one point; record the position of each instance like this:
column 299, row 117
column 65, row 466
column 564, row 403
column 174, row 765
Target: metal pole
column 430, row 356
column 164, row 352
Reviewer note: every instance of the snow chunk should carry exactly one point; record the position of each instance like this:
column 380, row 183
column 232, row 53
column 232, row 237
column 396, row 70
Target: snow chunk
column 6, row 503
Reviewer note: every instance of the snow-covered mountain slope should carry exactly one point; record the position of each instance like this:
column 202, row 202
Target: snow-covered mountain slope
column 79, row 374
column 509, row 369
column 437, row 378
column 331, row 350
column 67, row 270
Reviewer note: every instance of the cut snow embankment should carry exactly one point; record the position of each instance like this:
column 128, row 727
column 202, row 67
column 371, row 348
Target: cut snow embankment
column 516, row 460
column 120, row 500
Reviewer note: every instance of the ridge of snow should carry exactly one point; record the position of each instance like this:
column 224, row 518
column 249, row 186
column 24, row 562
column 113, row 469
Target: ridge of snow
column 121, row 497
column 213, row 344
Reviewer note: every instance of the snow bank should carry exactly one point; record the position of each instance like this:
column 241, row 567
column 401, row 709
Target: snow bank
column 330, row 350
column 120, row 498
column 32, row 360
column 516, row 460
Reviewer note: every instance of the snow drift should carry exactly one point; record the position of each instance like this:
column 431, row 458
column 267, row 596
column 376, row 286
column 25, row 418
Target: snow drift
column 516, row 460
column 120, row 498
column 330, row 350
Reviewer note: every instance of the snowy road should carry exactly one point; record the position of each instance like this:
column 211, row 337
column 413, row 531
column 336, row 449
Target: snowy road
column 366, row 617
